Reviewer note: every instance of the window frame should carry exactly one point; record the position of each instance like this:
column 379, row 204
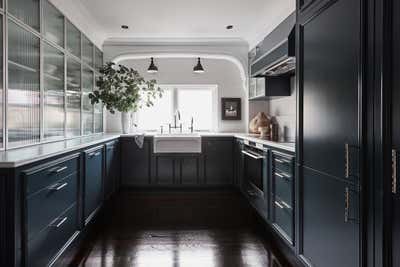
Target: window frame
column 175, row 103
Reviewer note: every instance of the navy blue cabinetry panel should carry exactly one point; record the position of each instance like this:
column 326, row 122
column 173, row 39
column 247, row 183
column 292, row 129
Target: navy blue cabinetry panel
column 43, row 249
column 48, row 203
column 93, row 192
column 136, row 162
column 218, row 161
column 283, row 194
column 112, row 171
column 331, row 221
column 331, row 87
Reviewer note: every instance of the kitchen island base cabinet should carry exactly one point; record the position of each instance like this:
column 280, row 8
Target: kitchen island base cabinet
column 330, row 221
column 93, row 188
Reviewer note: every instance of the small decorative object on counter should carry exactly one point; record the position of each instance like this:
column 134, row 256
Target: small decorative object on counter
column 264, row 132
column 274, row 132
column 260, row 120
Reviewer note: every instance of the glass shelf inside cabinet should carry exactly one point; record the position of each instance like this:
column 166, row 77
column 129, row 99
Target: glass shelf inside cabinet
column 73, row 39
column 53, row 24
column 23, row 116
column 87, row 51
column 73, row 125
column 27, row 11
column 54, row 102
column 73, row 75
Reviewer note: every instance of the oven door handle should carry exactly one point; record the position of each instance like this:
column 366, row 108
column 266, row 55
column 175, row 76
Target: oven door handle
column 252, row 155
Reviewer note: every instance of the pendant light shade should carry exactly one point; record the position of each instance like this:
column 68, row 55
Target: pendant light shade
column 152, row 68
column 198, row 68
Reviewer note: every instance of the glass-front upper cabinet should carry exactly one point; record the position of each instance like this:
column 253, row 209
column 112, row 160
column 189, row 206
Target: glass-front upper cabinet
column 87, row 107
column 98, row 57
column 73, row 39
column 73, row 75
column 73, row 124
column 87, row 51
column 53, row 83
column 28, row 11
column 98, row 115
column 53, row 22
column 23, row 116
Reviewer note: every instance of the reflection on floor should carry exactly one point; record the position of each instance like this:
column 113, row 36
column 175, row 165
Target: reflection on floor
column 199, row 229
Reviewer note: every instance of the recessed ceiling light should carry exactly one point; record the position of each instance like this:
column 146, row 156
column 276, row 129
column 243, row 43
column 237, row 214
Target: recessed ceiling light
column 229, row 27
column 125, row 27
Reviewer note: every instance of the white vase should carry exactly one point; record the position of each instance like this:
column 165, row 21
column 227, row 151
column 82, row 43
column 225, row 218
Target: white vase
column 126, row 122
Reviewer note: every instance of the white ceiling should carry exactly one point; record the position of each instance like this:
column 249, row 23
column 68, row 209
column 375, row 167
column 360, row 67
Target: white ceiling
column 252, row 19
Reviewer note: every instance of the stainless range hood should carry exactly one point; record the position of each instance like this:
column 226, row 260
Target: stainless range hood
column 275, row 55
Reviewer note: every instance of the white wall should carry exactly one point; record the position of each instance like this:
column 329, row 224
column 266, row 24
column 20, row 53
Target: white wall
column 230, row 77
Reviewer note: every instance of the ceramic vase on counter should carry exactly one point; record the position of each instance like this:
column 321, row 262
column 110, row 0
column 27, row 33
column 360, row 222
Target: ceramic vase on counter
column 126, row 122
column 260, row 120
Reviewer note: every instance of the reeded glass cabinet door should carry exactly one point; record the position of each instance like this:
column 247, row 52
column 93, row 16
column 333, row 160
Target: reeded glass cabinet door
column 23, row 116
column 53, row 78
column 53, row 22
column 98, row 59
column 73, row 39
column 98, row 115
column 73, row 75
column 27, row 11
column 73, row 114
column 87, row 107
column 87, row 51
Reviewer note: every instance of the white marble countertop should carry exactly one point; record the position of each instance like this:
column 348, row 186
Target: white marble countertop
column 21, row 156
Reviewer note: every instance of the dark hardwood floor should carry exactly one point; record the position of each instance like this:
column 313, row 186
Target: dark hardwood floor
column 163, row 229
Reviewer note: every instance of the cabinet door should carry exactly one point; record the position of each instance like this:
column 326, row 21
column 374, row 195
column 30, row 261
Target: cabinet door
column 189, row 170
column 165, row 170
column 137, row 172
column 330, row 217
column 218, row 161
column 93, row 181
column 238, row 163
column 331, row 55
column 112, row 169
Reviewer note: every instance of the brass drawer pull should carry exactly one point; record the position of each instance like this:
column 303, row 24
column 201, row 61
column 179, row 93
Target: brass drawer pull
column 281, row 161
column 394, row 171
column 94, row 154
column 346, row 204
column 347, row 161
column 286, row 204
column 59, row 223
column 251, row 193
column 58, row 187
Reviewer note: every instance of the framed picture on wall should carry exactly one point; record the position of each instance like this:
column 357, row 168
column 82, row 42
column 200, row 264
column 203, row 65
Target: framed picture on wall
column 231, row 109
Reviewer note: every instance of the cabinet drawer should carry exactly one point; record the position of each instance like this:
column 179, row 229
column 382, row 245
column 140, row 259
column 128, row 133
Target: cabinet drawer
column 49, row 202
column 283, row 163
column 42, row 249
column 48, row 174
column 284, row 219
column 284, row 187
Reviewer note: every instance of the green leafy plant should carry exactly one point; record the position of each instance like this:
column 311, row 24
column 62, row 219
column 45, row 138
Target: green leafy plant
column 123, row 89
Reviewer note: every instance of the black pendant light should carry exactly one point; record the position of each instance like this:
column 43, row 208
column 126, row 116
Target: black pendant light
column 198, row 68
column 152, row 68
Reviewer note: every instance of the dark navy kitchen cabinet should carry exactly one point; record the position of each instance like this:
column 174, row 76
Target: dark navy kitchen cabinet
column 164, row 170
column 218, row 160
column 93, row 186
column 331, row 221
column 283, row 194
column 136, row 162
column 330, row 132
column 112, row 169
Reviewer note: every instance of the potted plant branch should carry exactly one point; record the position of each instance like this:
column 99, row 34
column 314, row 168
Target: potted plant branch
column 123, row 89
